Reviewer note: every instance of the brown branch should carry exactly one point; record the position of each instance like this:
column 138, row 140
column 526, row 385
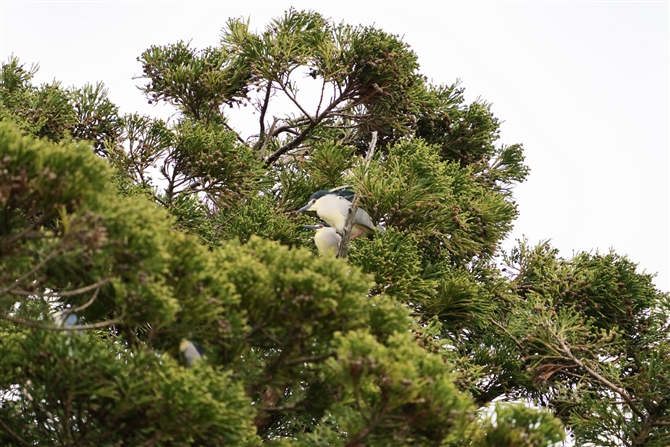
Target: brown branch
column 239, row 138
column 275, row 409
column 89, row 302
column 502, row 328
column 603, row 380
column 264, row 108
column 266, row 138
column 264, row 332
column 365, row 432
column 41, row 264
column 289, row 127
column 11, row 432
column 25, row 232
column 294, row 100
column 63, row 294
column 303, row 135
column 343, row 249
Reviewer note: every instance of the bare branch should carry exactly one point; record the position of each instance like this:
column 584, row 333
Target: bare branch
column 502, row 328
column 32, row 271
column 63, row 294
column 266, row 138
column 305, row 132
column 294, row 100
column 343, row 250
column 340, row 188
column 603, row 380
column 89, row 302
column 25, row 232
column 372, row 424
column 264, row 108
column 21, row 440
column 239, row 138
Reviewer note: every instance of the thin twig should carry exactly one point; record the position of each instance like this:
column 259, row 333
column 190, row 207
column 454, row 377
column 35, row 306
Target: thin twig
column 89, row 302
column 264, row 108
column 305, row 132
column 502, row 328
column 603, row 380
column 343, row 250
column 376, row 420
column 285, row 88
column 41, row 264
column 25, row 232
column 62, row 294
column 266, row 138
column 323, row 88
column 14, row 434
column 340, row 188
column 239, row 138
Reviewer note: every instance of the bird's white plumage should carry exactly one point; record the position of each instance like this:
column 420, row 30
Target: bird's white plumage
column 189, row 352
column 333, row 209
column 327, row 240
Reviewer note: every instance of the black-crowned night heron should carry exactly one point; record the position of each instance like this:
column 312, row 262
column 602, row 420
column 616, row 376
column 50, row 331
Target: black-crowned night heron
column 333, row 207
column 189, row 352
column 326, row 239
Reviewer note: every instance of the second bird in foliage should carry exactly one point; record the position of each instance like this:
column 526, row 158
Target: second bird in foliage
column 326, row 239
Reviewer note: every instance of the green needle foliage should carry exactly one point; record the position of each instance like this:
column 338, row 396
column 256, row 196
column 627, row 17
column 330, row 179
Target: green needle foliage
column 121, row 236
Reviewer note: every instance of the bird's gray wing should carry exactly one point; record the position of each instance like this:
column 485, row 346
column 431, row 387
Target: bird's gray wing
column 364, row 219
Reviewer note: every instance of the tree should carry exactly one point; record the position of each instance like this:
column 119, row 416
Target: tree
column 122, row 235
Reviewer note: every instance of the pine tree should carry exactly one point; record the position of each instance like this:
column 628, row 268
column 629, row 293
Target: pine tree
column 122, row 236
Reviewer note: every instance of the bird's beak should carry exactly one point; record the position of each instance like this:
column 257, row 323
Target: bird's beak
column 305, row 208
column 311, row 227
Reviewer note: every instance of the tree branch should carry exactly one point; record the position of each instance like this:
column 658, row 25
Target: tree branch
column 365, row 432
column 63, row 294
column 262, row 137
column 11, row 432
column 603, row 380
column 343, row 250
column 305, row 132
column 294, row 100
column 323, row 92
column 502, row 328
column 89, row 302
column 41, row 264
column 266, row 138
column 23, row 233
column 239, row 138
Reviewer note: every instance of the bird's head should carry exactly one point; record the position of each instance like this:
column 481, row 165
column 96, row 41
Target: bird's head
column 317, row 227
column 313, row 202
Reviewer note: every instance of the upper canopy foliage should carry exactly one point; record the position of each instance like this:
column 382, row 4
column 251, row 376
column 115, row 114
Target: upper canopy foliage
column 186, row 229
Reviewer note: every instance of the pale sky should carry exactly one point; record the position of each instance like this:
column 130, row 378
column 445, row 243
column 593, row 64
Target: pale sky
column 584, row 87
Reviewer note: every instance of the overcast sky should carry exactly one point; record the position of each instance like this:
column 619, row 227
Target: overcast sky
column 584, row 87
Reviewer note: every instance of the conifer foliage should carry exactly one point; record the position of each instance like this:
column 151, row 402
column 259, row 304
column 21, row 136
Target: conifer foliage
column 121, row 236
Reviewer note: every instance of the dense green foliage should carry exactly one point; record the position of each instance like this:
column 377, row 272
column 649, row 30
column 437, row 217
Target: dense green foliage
column 152, row 232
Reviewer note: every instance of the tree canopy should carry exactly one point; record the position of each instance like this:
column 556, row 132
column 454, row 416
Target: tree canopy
column 122, row 235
